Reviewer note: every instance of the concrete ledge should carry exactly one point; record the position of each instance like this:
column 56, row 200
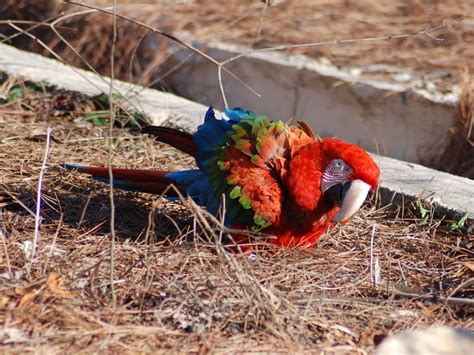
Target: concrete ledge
column 406, row 182
column 405, row 118
column 453, row 195
column 159, row 106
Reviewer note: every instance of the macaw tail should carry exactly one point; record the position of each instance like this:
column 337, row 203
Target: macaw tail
column 140, row 180
column 175, row 138
column 192, row 183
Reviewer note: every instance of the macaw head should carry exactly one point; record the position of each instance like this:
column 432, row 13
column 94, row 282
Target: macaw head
column 349, row 173
column 332, row 173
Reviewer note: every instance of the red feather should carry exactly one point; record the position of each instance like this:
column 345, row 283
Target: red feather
column 306, row 216
column 177, row 139
column 152, row 181
column 276, row 173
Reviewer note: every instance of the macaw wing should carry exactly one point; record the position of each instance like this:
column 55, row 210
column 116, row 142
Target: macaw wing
column 242, row 158
column 254, row 196
column 249, row 166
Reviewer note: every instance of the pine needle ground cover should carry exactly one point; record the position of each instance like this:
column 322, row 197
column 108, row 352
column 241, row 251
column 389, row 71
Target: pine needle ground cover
column 173, row 286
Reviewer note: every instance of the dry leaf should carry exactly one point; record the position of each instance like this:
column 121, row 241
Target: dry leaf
column 469, row 265
column 4, row 301
column 27, row 298
column 55, row 282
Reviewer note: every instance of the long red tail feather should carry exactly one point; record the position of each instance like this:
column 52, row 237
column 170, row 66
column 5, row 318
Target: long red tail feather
column 152, row 181
column 178, row 139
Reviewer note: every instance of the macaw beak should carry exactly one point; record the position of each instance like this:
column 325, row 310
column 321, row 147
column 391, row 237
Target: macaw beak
column 350, row 196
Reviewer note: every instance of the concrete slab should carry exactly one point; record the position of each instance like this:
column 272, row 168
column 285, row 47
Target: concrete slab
column 403, row 182
column 453, row 195
column 159, row 106
column 405, row 118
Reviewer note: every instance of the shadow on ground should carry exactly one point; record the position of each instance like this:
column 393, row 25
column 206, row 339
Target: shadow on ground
column 87, row 208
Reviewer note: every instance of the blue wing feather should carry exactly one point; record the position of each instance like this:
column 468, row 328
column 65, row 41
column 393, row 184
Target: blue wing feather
column 209, row 138
column 211, row 134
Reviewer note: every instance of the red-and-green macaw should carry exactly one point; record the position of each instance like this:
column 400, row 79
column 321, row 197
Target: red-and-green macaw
column 276, row 178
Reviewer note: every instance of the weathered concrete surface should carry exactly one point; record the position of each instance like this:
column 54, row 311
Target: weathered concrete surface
column 401, row 180
column 160, row 107
column 405, row 182
column 405, row 119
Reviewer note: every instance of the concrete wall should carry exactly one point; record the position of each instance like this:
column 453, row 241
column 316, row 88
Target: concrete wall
column 397, row 119
column 400, row 181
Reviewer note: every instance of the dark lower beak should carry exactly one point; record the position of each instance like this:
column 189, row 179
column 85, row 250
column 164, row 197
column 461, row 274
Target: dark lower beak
column 349, row 196
column 337, row 193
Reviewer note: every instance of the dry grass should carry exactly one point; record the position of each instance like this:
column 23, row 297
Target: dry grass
column 443, row 56
column 460, row 140
column 285, row 22
column 176, row 291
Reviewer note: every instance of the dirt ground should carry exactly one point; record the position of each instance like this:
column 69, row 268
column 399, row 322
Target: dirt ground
column 174, row 288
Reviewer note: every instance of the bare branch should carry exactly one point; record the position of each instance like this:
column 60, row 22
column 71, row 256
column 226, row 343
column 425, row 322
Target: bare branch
column 109, row 159
column 425, row 32
column 38, row 197
column 174, row 39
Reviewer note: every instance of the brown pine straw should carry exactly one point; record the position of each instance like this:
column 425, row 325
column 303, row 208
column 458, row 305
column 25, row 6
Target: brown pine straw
column 179, row 290
column 439, row 49
column 460, row 140
column 283, row 22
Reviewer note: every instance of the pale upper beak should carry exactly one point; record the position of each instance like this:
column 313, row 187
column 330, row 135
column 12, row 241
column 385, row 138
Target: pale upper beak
column 352, row 199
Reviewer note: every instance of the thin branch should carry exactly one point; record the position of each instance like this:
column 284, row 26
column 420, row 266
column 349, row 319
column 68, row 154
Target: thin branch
column 52, row 25
column 372, row 276
column 14, row 198
column 53, row 244
column 58, row 57
column 424, row 32
column 260, row 20
column 435, row 299
column 4, row 242
column 38, row 197
column 142, row 24
column 173, row 38
column 34, row 24
column 109, row 159
column 467, row 283
column 221, row 86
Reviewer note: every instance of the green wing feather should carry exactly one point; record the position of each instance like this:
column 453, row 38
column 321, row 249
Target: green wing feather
column 248, row 169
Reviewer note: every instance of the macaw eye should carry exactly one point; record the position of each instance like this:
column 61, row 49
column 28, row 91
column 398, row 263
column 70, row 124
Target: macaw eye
column 338, row 164
column 338, row 169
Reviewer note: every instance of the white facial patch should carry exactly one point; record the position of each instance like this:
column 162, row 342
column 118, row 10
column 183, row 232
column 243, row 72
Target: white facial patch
column 337, row 172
